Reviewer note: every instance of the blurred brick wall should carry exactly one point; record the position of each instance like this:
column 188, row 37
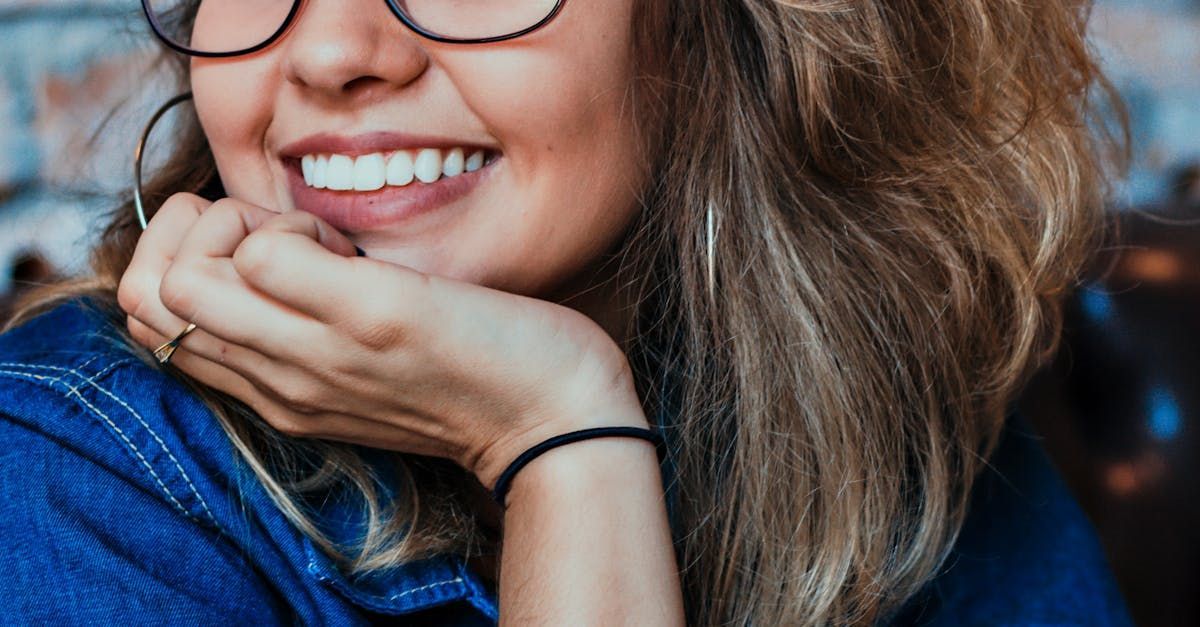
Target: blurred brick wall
column 67, row 63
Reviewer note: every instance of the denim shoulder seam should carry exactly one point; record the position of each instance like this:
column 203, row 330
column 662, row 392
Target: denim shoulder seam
column 74, row 390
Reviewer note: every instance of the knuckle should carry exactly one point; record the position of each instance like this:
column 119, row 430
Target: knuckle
column 273, row 413
column 253, row 255
column 183, row 203
column 380, row 335
column 340, row 374
column 222, row 210
column 288, row 424
column 129, row 293
column 176, row 288
column 222, row 206
column 387, row 320
column 138, row 331
column 299, row 397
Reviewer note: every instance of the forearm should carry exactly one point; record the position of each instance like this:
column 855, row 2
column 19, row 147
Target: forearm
column 586, row 539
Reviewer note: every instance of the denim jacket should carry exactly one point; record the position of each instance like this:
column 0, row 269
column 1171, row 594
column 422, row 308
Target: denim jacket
column 122, row 500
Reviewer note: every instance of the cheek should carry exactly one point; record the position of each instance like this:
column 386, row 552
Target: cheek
column 562, row 95
column 560, row 111
column 234, row 108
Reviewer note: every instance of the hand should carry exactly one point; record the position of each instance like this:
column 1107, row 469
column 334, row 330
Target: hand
column 322, row 343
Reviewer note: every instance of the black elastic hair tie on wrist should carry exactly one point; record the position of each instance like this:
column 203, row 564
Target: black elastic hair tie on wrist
column 506, row 477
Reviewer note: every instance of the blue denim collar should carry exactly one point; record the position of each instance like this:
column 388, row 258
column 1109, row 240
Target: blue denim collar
column 83, row 331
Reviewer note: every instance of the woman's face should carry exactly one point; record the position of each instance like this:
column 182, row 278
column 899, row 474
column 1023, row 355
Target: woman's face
column 349, row 79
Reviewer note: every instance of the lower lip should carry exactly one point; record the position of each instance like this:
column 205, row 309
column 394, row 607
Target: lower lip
column 362, row 211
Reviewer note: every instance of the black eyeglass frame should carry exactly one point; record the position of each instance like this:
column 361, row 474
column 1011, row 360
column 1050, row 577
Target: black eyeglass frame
column 159, row 31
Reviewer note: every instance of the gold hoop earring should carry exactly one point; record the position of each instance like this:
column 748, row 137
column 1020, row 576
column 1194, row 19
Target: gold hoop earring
column 141, row 147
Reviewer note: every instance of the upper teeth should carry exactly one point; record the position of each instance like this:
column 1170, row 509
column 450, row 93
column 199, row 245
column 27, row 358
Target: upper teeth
column 370, row 172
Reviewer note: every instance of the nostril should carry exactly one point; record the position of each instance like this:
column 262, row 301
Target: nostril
column 362, row 83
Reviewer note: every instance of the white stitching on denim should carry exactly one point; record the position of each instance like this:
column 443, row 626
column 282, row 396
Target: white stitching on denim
column 179, row 467
column 36, row 377
column 110, row 367
column 424, row 587
column 88, row 362
column 114, row 426
column 334, row 578
column 20, row 364
column 103, row 371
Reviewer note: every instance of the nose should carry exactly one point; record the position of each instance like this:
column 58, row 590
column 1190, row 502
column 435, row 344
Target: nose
column 353, row 50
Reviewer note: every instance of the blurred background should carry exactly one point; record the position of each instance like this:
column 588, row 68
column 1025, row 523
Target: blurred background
column 1119, row 407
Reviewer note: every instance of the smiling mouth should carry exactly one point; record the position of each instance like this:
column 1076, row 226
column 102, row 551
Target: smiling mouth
column 370, row 191
column 397, row 168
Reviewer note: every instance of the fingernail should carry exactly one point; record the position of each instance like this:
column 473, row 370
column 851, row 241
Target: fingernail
column 361, row 252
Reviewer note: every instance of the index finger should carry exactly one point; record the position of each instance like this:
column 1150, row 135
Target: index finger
column 168, row 227
column 222, row 227
column 157, row 247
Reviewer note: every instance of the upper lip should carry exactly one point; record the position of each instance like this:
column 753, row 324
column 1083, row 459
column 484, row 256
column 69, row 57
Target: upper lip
column 367, row 143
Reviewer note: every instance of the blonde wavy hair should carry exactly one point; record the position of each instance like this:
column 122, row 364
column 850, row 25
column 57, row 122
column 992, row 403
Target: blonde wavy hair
column 865, row 218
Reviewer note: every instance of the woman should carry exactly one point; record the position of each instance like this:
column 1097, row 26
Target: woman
column 816, row 246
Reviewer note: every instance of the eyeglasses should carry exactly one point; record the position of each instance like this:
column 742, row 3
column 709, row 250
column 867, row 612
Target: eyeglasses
column 227, row 28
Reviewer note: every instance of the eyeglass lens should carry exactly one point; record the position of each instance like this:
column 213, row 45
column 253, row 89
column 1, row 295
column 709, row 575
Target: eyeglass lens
column 226, row 26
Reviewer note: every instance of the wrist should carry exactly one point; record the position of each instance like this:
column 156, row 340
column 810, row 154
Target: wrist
column 591, row 471
column 493, row 460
